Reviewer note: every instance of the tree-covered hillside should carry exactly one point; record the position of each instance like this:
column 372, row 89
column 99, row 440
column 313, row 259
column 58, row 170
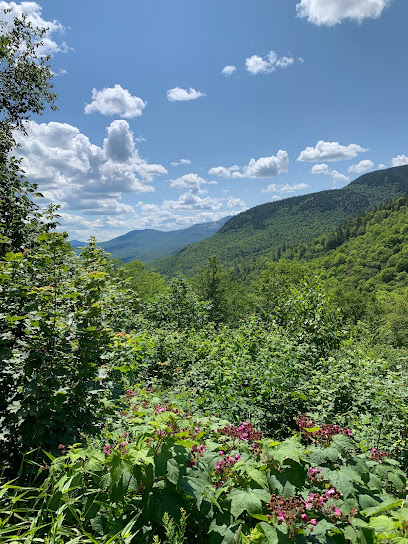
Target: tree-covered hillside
column 272, row 227
column 368, row 251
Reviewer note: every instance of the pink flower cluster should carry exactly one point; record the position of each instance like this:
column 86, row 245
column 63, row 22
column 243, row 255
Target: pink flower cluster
column 317, row 501
column 166, row 408
column 289, row 511
column 323, row 435
column 294, row 510
column 121, row 443
column 197, row 452
column 377, row 455
column 226, row 462
column 244, row 432
column 129, row 394
column 315, row 474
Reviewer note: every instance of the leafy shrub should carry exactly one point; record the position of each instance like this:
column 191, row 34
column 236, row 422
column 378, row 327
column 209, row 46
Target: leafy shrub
column 178, row 308
column 59, row 314
column 231, row 483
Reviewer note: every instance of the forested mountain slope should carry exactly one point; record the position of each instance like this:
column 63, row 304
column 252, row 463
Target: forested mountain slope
column 369, row 251
column 149, row 244
column 270, row 228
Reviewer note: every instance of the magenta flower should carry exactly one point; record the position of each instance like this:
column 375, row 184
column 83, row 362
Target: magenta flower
column 107, row 449
column 313, row 521
column 304, row 518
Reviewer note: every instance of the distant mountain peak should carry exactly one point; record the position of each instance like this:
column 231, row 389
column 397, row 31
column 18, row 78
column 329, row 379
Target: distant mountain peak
column 149, row 244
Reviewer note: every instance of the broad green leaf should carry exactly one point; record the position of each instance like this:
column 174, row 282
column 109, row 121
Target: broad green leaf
column 270, row 533
column 247, row 499
column 387, row 503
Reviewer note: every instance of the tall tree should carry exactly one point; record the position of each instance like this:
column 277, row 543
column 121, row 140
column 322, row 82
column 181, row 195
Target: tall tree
column 25, row 89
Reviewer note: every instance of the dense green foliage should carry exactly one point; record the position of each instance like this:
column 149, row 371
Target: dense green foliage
column 59, row 316
column 142, row 280
column 205, row 444
column 25, row 88
column 158, row 468
column 267, row 230
column 367, row 252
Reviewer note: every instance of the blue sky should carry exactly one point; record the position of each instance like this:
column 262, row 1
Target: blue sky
column 153, row 131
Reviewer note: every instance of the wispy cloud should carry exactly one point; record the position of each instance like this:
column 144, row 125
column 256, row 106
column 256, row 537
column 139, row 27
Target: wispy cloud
column 325, row 170
column 180, row 162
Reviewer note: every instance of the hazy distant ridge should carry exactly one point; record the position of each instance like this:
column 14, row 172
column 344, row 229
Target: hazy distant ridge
column 149, row 244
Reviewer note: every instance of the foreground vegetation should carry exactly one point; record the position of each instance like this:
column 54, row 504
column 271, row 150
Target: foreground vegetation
column 130, row 420
column 215, row 410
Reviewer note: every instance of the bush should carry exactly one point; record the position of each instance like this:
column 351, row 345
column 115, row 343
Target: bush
column 221, row 483
column 59, row 314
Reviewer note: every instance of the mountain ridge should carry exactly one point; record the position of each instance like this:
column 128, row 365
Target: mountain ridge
column 270, row 226
column 149, row 244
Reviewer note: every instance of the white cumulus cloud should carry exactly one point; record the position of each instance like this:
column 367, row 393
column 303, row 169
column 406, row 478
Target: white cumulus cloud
column 266, row 65
column 188, row 181
column 325, row 170
column 272, row 188
column 115, row 101
column 361, row 167
column 292, row 188
column 321, row 169
column 330, row 151
column 265, row 167
column 332, row 12
column 79, row 175
column 382, row 166
column 339, row 177
column 180, row 95
column 191, row 201
column 235, row 202
column 228, row 70
column 399, row 160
